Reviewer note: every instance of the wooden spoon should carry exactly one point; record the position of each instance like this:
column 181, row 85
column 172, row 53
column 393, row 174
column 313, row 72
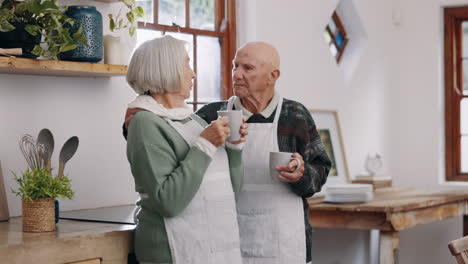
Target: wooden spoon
column 68, row 150
column 46, row 138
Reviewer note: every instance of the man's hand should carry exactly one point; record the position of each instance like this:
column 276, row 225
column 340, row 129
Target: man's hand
column 131, row 112
column 287, row 173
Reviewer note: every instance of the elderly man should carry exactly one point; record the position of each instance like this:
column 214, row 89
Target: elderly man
column 273, row 219
column 273, row 215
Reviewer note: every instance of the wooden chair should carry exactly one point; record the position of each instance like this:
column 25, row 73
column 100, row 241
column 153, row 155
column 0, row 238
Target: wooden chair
column 459, row 249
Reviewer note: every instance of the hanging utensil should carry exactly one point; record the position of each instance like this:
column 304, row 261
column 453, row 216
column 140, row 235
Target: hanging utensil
column 68, row 150
column 46, row 138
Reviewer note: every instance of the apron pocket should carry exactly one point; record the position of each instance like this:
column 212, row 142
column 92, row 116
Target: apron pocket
column 259, row 233
column 222, row 223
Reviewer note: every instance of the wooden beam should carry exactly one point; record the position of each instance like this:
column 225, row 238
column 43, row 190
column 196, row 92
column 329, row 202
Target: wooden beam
column 167, row 28
column 350, row 220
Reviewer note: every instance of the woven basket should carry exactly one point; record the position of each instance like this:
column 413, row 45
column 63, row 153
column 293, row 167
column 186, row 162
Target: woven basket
column 39, row 215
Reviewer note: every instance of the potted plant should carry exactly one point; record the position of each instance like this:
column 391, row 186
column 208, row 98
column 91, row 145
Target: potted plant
column 38, row 189
column 23, row 25
column 127, row 19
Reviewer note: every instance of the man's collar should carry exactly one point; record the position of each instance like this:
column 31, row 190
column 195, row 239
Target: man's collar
column 265, row 113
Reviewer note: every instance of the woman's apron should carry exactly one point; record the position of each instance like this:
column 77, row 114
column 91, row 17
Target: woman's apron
column 271, row 216
column 206, row 232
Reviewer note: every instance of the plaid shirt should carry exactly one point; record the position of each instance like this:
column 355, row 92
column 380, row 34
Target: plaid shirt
column 296, row 133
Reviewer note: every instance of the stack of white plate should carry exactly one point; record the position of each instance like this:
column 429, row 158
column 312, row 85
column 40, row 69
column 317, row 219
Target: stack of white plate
column 348, row 193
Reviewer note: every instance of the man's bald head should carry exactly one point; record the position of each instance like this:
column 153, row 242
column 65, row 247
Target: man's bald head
column 263, row 52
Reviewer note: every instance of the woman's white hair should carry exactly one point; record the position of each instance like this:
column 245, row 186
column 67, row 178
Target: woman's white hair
column 157, row 66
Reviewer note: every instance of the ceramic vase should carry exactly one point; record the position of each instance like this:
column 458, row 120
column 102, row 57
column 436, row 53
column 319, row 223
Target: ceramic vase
column 91, row 21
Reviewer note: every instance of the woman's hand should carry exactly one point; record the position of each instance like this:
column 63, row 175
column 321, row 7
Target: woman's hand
column 242, row 131
column 217, row 132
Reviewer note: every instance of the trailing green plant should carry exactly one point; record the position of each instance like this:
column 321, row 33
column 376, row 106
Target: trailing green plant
column 44, row 17
column 39, row 183
column 130, row 19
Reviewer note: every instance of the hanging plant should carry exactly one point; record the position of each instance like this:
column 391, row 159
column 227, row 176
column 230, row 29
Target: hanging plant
column 129, row 20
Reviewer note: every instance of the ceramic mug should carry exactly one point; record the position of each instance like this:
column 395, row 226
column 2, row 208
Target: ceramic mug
column 235, row 122
column 281, row 158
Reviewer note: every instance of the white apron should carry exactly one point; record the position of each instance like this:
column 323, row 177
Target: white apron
column 206, row 232
column 271, row 216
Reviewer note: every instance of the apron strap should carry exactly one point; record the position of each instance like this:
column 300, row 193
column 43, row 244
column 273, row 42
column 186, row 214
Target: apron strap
column 278, row 110
column 231, row 102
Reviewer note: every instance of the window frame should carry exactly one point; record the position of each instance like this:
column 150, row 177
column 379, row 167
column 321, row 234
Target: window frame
column 339, row 26
column 224, row 9
column 453, row 62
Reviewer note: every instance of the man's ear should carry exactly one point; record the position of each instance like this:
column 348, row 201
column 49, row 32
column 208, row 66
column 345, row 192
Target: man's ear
column 274, row 75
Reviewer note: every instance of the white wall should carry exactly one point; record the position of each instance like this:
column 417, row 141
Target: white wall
column 90, row 108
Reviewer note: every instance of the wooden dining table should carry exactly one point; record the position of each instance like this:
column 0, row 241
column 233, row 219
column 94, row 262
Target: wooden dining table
column 391, row 210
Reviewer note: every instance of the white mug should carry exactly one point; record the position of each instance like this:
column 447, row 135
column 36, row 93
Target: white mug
column 235, row 122
column 281, row 158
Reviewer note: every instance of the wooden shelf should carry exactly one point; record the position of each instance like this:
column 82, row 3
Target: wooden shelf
column 9, row 65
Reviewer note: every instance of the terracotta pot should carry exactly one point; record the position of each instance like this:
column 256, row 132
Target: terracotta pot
column 39, row 215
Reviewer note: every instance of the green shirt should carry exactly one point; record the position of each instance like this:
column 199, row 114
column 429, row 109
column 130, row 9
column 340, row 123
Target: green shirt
column 170, row 172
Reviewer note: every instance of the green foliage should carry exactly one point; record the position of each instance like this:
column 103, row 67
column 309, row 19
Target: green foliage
column 44, row 17
column 130, row 19
column 39, row 183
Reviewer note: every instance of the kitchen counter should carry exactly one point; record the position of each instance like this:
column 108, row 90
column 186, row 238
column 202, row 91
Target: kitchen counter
column 73, row 241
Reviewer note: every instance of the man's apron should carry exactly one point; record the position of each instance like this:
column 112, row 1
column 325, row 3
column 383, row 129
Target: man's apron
column 207, row 230
column 271, row 216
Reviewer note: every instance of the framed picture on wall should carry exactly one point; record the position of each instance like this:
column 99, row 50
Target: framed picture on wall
column 328, row 127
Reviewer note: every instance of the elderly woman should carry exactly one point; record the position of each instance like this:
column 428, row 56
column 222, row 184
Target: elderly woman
column 185, row 175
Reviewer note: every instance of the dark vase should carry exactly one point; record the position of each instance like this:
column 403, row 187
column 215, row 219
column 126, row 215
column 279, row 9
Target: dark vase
column 20, row 38
column 91, row 21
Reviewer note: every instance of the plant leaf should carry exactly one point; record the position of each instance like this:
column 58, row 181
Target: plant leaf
column 32, row 29
column 68, row 47
column 128, row 3
column 132, row 30
column 139, row 11
column 130, row 17
column 5, row 26
column 38, row 51
column 49, row 5
column 78, row 36
column 34, row 7
column 111, row 24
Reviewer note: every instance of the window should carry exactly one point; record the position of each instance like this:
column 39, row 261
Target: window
column 456, row 93
column 336, row 37
column 210, row 27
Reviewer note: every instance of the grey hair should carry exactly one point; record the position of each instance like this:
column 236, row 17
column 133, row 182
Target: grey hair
column 157, row 66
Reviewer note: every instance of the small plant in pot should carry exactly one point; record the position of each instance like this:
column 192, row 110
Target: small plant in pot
column 23, row 24
column 38, row 188
column 126, row 18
